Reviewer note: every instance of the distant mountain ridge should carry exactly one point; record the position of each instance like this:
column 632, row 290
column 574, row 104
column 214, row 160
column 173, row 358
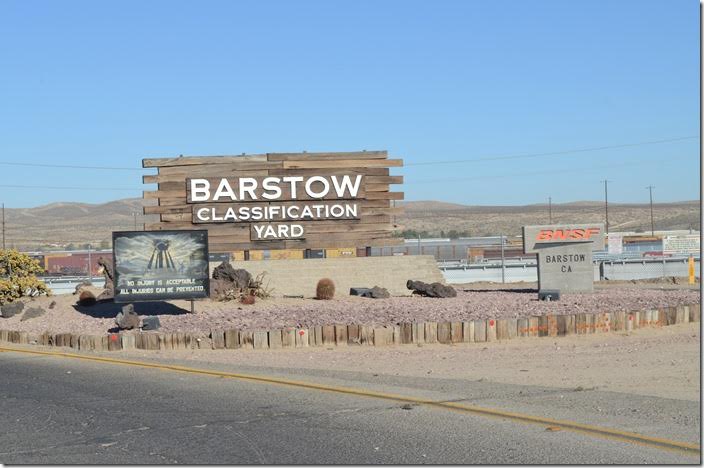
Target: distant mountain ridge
column 63, row 223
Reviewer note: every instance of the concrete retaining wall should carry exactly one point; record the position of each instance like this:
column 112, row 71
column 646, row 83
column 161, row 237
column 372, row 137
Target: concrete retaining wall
column 299, row 277
column 476, row 331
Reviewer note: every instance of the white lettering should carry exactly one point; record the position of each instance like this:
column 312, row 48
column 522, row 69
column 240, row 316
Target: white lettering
column 248, row 185
column 224, row 190
column 292, row 182
column 271, row 184
column 200, row 190
column 347, row 185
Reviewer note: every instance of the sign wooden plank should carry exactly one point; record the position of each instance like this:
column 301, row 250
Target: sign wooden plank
column 341, row 164
column 363, row 155
column 200, row 160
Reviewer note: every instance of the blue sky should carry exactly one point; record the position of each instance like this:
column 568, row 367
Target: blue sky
column 110, row 83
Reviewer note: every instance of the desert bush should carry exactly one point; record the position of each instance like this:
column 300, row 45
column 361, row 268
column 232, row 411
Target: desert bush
column 18, row 276
column 325, row 289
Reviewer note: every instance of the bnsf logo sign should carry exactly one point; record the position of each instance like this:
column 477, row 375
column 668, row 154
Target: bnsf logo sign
column 566, row 234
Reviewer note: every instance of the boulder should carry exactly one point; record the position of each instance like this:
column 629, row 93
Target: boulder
column 109, row 288
column 128, row 318
column 32, row 312
column 151, row 323
column 240, row 278
column 11, row 309
column 377, row 292
column 359, row 291
column 81, row 286
column 86, row 298
column 431, row 289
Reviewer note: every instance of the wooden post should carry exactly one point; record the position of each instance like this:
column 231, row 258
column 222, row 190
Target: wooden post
column 431, row 332
column 366, row 335
column 275, row 341
column 406, row 333
column 288, row 337
column 302, row 336
column 480, row 331
column 491, row 330
column 328, row 335
column 456, row 332
column 694, row 313
column 418, row 332
column 512, row 328
column 232, row 338
column 260, row 340
column 522, row 326
column 341, row 335
column 247, row 339
column 353, row 335
column 218, row 337
column 444, row 333
column 468, row 332
column 501, row 329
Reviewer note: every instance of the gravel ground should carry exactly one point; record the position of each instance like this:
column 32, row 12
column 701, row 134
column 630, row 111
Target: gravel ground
column 276, row 313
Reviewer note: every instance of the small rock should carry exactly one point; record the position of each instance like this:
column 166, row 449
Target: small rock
column 32, row 312
column 52, row 305
column 151, row 323
column 11, row 309
column 377, row 292
column 128, row 318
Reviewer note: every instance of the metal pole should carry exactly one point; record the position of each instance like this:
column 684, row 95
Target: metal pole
column 418, row 244
column 90, row 270
column 135, row 220
column 606, row 203
column 503, row 263
column 3, row 226
column 652, row 222
column 550, row 209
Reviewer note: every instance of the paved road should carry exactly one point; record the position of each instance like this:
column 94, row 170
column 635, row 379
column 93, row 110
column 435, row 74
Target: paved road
column 66, row 411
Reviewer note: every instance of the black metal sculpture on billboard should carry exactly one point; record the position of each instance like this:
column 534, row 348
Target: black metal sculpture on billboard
column 160, row 265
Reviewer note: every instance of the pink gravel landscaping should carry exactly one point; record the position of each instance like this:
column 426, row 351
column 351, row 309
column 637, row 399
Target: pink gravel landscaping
column 278, row 313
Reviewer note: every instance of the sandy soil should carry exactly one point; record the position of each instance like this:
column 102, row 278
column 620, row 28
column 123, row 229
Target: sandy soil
column 661, row 362
column 174, row 316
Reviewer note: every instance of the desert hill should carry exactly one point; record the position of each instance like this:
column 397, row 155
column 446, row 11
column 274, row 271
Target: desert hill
column 59, row 225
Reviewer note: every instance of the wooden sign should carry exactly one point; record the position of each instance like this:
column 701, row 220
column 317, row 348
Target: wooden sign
column 278, row 200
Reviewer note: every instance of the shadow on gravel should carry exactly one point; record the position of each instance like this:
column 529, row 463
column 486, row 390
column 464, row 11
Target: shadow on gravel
column 520, row 291
column 109, row 309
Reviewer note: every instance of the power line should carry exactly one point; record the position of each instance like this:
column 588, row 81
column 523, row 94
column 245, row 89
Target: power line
column 459, row 161
column 67, row 187
column 552, row 153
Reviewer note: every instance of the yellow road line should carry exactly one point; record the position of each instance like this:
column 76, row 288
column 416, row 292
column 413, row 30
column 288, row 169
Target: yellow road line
column 609, row 433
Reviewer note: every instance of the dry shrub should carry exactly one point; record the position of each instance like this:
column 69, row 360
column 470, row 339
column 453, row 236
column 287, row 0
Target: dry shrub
column 18, row 277
column 325, row 289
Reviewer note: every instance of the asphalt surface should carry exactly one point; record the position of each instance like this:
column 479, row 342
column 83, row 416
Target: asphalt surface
column 57, row 410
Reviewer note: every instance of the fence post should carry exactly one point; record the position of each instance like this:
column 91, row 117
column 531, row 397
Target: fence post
column 503, row 262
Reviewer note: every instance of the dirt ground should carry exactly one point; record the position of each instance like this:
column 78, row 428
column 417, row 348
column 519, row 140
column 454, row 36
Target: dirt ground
column 471, row 304
column 663, row 362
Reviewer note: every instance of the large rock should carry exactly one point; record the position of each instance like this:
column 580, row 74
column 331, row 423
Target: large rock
column 128, row 318
column 431, row 290
column 109, row 288
column 151, row 323
column 240, row 278
column 11, row 309
column 377, row 292
column 81, row 286
column 32, row 312
column 86, row 298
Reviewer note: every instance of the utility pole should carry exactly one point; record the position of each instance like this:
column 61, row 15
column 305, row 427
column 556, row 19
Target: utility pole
column 606, row 202
column 90, row 269
column 652, row 223
column 550, row 209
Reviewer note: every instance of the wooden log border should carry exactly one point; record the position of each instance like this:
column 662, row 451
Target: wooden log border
column 416, row 333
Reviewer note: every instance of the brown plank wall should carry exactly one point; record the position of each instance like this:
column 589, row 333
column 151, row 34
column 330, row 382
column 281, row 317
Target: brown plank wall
column 373, row 229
